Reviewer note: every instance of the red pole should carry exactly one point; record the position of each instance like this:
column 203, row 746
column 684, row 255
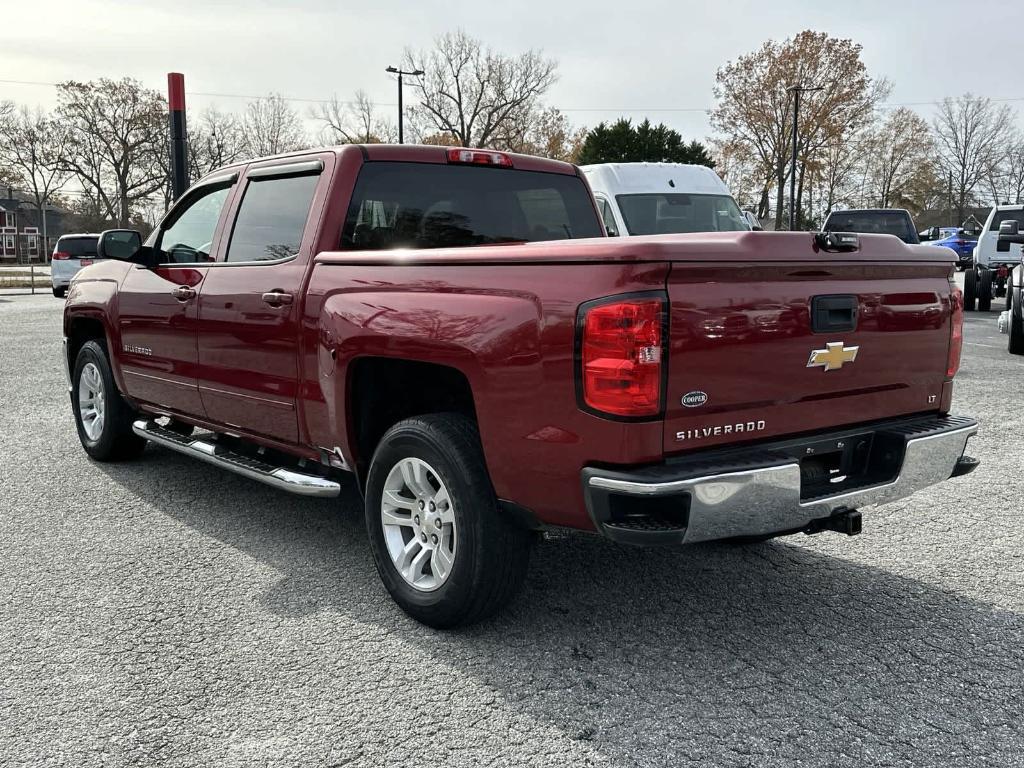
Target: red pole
column 179, row 140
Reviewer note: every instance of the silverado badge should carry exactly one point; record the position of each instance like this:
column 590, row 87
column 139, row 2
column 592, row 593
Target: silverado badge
column 833, row 357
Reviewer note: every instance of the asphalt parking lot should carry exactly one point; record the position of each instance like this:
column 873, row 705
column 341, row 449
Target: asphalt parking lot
column 164, row 613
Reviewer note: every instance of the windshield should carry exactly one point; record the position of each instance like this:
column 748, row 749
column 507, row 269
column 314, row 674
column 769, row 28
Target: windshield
column 426, row 205
column 874, row 223
column 662, row 214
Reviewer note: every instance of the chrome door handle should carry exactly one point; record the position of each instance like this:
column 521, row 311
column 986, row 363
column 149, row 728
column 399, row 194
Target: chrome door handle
column 183, row 293
column 277, row 298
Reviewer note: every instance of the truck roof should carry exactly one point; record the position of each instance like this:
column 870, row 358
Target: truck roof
column 624, row 178
column 411, row 153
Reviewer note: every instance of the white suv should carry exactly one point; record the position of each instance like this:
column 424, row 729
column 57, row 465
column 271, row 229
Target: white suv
column 70, row 254
column 988, row 278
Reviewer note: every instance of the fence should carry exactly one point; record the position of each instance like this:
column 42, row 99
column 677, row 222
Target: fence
column 24, row 279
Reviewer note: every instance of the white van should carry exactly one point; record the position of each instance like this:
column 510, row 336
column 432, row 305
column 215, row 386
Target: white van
column 663, row 198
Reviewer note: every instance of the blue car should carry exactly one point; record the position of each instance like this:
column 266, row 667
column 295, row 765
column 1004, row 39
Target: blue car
column 959, row 241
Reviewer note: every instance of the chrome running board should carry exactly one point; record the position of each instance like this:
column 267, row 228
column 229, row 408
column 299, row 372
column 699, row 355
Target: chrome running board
column 206, row 450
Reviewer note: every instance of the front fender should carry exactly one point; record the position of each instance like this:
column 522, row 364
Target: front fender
column 94, row 300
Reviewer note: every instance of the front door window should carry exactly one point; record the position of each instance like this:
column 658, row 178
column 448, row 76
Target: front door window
column 188, row 239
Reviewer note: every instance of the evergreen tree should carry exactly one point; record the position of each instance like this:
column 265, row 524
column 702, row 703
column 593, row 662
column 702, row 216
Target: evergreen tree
column 621, row 142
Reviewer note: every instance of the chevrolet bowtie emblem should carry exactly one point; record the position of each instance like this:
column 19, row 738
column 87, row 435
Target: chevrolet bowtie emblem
column 833, row 356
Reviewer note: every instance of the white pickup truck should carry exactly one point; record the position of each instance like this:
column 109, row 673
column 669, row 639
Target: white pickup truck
column 990, row 276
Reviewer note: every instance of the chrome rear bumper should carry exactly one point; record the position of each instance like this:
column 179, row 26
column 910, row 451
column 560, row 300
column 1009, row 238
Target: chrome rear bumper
column 761, row 493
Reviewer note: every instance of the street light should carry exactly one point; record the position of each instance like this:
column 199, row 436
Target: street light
column 796, row 90
column 400, row 72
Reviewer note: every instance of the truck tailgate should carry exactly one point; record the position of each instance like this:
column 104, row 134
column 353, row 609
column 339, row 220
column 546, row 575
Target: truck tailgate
column 762, row 345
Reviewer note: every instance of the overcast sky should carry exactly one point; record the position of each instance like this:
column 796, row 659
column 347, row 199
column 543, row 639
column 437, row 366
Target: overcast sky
column 638, row 58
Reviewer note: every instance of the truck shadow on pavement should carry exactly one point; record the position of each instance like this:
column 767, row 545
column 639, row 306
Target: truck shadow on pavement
column 716, row 653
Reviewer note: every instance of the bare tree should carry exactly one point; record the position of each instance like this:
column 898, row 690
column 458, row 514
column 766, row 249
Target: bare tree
column 477, row 95
column 898, row 150
column 839, row 162
column 271, row 126
column 547, row 134
column 972, row 134
column 116, row 134
column 216, row 141
column 743, row 171
column 1006, row 182
column 353, row 122
column 31, row 146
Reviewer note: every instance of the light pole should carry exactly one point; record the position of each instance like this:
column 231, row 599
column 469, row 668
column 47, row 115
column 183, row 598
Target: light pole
column 796, row 90
column 400, row 72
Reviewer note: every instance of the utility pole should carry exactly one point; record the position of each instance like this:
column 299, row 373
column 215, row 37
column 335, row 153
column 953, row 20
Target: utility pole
column 400, row 72
column 949, row 200
column 45, row 249
column 796, row 90
column 179, row 137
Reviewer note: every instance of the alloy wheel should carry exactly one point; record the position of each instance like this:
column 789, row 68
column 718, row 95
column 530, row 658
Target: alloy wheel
column 91, row 401
column 419, row 524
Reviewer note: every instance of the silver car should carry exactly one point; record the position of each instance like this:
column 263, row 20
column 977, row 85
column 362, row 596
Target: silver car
column 70, row 254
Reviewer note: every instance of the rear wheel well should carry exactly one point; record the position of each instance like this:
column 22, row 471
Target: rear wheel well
column 84, row 329
column 384, row 391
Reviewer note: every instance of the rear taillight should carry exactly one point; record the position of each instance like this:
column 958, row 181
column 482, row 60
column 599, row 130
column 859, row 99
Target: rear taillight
column 479, row 157
column 621, row 357
column 60, row 256
column 956, row 336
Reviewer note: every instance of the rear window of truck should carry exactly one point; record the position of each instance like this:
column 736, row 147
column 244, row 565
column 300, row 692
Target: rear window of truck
column 874, row 223
column 1000, row 216
column 422, row 205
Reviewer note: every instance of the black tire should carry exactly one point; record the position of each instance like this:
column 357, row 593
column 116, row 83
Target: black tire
column 985, row 291
column 491, row 552
column 116, row 440
column 1015, row 341
column 970, row 289
column 60, row 293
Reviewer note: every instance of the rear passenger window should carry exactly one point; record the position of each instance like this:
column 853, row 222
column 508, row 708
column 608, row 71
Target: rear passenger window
column 272, row 218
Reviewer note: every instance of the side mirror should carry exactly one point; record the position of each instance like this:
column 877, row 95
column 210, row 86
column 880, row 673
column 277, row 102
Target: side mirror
column 120, row 244
column 1009, row 233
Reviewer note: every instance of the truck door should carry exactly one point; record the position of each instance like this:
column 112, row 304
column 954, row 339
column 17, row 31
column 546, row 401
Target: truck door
column 157, row 308
column 250, row 305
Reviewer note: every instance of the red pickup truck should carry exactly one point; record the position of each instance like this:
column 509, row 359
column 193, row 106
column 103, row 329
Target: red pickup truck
column 452, row 327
